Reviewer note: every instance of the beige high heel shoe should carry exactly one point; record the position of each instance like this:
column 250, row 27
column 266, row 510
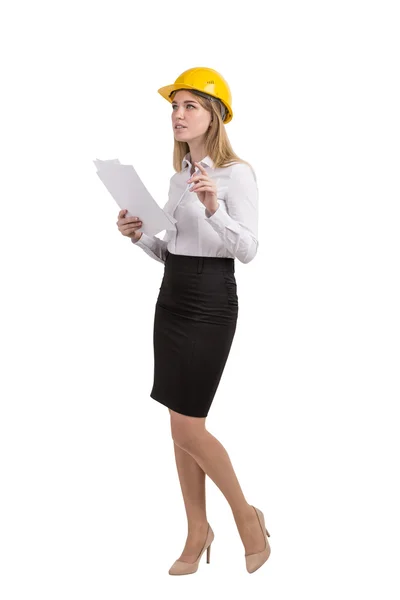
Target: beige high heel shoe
column 181, row 567
column 255, row 561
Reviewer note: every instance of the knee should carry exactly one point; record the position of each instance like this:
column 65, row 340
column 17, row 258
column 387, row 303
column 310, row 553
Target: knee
column 186, row 431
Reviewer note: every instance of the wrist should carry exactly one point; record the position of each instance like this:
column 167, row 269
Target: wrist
column 212, row 209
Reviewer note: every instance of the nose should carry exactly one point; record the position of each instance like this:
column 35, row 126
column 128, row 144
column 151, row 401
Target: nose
column 179, row 112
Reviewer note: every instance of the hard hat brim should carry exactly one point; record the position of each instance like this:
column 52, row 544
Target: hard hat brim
column 168, row 89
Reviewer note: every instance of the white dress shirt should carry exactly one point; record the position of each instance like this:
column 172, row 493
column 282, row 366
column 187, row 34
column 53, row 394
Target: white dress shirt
column 232, row 231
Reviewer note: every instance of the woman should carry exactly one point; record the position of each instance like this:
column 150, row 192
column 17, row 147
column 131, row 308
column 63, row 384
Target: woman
column 213, row 197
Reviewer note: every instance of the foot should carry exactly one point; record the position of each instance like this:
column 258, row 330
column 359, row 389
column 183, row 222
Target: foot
column 194, row 543
column 251, row 534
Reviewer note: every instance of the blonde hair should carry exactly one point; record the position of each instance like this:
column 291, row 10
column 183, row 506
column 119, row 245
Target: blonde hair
column 217, row 143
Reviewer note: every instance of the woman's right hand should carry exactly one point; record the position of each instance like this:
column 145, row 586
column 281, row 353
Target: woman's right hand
column 129, row 225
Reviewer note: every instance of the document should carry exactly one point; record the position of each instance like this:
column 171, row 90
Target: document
column 129, row 192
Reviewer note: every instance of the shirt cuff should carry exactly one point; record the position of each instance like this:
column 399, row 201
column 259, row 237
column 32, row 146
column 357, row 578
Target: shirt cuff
column 220, row 220
column 140, row 242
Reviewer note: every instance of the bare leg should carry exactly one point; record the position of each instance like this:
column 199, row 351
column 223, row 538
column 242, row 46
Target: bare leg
column 192, row 480
column 190, row 434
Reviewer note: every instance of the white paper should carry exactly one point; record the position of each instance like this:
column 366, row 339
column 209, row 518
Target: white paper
column 129, row 192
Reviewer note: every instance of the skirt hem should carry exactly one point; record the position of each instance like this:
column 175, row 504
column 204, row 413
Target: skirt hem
column 178, row 410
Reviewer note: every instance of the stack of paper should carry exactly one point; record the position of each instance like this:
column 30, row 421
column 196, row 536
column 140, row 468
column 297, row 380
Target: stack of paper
column 129, row 192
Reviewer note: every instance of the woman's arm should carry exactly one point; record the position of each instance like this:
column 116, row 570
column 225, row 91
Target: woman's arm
column 238, row 227
column 153, row 246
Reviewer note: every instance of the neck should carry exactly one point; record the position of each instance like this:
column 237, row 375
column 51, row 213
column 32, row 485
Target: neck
column 197, row 152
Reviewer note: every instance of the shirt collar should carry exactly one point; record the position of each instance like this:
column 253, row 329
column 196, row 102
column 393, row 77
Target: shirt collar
column 206, row 162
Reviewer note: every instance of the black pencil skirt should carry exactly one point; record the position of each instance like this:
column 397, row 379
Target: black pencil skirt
column 194, row 326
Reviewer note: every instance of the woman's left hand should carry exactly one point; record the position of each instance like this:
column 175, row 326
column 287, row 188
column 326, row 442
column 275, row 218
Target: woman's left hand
column 205, row 188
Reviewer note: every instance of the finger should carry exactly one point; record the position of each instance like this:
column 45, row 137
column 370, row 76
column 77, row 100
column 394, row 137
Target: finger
column 129, row 226
column 197, row 178
column 202, row 169
column 203, row 181
column 204, row 188
column 201, row 174
column 128, row 220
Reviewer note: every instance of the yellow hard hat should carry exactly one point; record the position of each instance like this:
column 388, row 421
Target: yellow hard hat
column 207, row 82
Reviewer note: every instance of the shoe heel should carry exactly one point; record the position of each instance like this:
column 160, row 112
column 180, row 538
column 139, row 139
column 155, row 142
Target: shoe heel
column 208, row 553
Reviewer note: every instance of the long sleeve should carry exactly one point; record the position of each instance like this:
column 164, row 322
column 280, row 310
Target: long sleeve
column 238, row 227
column 153, row 246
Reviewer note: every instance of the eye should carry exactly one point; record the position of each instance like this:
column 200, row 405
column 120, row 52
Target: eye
column 175, row 105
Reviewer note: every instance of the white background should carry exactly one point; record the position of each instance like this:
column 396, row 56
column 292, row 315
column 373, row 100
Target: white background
column 90, row 502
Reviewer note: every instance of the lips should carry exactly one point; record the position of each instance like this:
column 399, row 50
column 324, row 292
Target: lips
column 180, row 126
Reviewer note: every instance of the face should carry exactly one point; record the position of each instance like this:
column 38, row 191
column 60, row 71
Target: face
column 189, row 113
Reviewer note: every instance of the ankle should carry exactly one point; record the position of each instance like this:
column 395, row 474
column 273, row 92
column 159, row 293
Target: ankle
column 199, row 526
column 244, row 514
